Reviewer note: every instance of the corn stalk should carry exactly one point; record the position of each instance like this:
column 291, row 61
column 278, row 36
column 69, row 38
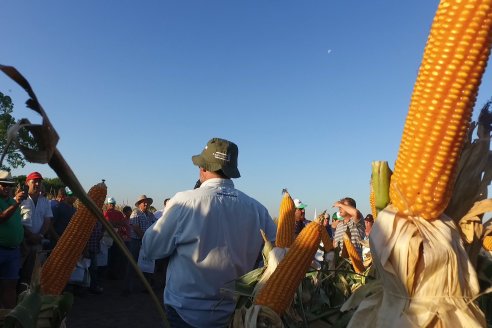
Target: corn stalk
column 46, row 152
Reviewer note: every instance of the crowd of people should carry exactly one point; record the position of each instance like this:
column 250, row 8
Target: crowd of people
column 202, row 238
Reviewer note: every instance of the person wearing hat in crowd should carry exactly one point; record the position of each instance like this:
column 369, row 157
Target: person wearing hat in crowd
column 11, row 236
column 36, row 218
column 140, row 220
column 326, row 224
column 366, row 250
column 300, row 215
column 211, row 234
column 352, row 220
column 336, row 218
column 158, row 213
column 63, row 210
column 116, row 263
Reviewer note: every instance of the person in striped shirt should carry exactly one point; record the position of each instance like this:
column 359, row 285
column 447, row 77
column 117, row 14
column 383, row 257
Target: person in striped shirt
column 353, row 220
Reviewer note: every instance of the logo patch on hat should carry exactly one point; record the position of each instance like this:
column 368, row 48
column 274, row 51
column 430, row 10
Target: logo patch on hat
column 222, row 156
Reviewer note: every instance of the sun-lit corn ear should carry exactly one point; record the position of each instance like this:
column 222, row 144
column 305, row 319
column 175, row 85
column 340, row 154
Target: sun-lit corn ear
column 441, row 107
column 380, row 185
column 487, row 243
column 372, row 202
column 279, row 291
column 286, row 221
column 353, row 254
column 59, row 266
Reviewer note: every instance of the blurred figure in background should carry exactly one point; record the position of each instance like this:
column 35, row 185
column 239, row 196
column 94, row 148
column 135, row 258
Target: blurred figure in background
column 36, row 218
column 366, row 251
column 326, row 224
column 93, row 248
column 158, row 214
column 300, row 215
column 116, row 263
column 352, row 220
column 140, row 220
column 63, row 210
column 11, row 236
column 369, row 221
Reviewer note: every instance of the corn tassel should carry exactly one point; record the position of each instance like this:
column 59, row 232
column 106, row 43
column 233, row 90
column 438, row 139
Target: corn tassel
column 487, row 243
column 59, row 266
column 353, row 254
column 286, row 221
column 441, row 107
column 279, row 291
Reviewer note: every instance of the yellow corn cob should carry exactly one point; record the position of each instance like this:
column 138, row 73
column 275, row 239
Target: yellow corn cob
column 327, row 241
column 372, row 203
column 59, row 266
column 286, row 221
column 487, row 243
column 441, row 107
column 353, row 254
column 281, row 287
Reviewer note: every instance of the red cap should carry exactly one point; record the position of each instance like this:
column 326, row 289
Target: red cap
column 34, row 175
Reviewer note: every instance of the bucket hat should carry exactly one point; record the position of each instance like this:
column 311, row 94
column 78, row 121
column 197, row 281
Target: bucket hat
column 141, row 198
column 6, row 177
column 219, row 154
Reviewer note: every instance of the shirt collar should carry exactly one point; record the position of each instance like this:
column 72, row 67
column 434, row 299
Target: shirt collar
column 218, row 182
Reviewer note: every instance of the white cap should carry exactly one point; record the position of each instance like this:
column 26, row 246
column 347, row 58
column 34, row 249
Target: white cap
column 111, row 200
column 299, row 204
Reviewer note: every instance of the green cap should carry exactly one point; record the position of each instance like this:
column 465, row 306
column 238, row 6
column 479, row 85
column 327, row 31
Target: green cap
column 219, row 154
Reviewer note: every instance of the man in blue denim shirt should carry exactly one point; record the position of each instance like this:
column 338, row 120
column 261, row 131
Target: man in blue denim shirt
column 212, row 235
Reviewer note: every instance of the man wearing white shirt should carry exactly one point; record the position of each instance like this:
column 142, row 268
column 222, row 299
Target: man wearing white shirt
column 36, row 219
column 212, row 235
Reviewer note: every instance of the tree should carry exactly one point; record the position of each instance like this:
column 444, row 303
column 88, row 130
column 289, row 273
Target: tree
column 14, row 157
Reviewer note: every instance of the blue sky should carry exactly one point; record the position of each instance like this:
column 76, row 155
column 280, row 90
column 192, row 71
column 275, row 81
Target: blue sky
column 312, row 92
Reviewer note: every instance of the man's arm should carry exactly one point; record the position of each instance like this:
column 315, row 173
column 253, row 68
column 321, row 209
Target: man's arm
column 161, row 238
column 7, row 213
column 354, row 213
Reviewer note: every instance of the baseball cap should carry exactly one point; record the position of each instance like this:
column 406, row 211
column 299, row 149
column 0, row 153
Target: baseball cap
column 111, row 200
column 34, row 176
column 299, row 204
column 219, row 154
column 68, row 191
column 337, row 216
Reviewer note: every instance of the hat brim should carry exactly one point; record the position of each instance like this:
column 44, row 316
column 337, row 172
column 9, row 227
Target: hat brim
column 150, row 200
column 9, row 182
column 230, row 172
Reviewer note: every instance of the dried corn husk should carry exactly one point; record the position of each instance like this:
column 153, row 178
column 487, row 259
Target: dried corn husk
column 474, row 168
column 257, row 316
column 413, row 256
column 274, row 257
